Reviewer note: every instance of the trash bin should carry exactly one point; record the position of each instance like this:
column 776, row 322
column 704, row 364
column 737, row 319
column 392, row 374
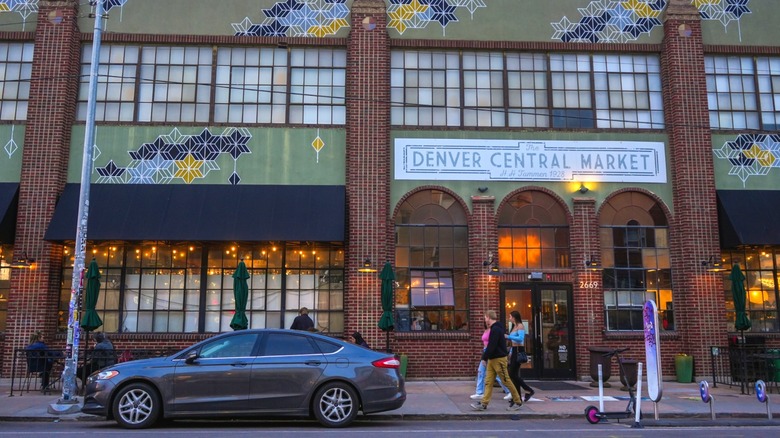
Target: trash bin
column 630, row 368
column 596, row 358
column 404, row 363
column 683, row 366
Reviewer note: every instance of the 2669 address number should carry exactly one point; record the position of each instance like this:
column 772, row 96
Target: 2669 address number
column 589, row 284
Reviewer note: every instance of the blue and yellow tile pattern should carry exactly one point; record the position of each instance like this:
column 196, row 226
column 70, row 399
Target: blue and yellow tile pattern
column 751, row 155
column 620, row 21
column 298, row 18
column 418, row 14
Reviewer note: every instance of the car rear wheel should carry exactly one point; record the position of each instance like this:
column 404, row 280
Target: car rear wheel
column 137, row 406
column 335, row 405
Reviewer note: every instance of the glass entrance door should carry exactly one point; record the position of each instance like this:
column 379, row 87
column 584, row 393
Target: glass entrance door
column 549, row 328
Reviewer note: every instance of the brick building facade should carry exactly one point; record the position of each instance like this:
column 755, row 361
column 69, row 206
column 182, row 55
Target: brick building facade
column 294, row 108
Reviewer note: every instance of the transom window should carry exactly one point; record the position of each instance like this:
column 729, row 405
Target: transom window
column 251, row 85
column 500, row 89
column 15, row 75
column 635, row 257
column 431, row 263
column 761, row 268
column 533, row 232
column 188, row 287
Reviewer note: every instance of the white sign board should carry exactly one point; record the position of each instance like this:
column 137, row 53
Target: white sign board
column 530, row 160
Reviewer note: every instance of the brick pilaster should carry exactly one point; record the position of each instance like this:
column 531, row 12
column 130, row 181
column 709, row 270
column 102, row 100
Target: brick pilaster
column 698, row 295
column 483, row 240
column 34, row 293
column 368, row 166
column 589, row 323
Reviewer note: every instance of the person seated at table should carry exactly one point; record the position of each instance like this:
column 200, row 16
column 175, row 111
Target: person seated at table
column 103, row 355
column 39, row 358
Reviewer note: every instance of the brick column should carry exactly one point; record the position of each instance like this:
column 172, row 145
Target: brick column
column 368, row 166
column 589, row 322
column 698, row 295
column 483, row 239
column 34, row 296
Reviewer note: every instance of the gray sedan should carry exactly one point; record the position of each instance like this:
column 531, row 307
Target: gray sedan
column 250, row 373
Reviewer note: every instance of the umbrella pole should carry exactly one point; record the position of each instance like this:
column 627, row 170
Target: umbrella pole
column 387, row 341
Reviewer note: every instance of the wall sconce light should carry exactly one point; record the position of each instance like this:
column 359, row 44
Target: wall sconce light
column 492, row 265
column 713, row 264
column 583, row 188
column 482, row 189
column 366, row 267
column 592, row 265
column 22, row 262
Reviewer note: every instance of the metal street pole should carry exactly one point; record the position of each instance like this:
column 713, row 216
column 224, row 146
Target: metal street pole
column 72, row 347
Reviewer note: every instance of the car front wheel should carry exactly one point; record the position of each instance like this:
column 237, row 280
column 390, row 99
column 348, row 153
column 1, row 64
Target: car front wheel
column 335, row 405
column 136, row 406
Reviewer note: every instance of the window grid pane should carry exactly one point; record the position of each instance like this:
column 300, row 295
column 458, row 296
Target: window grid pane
column 318, row 86
column 731, row 92
column 426, row 85
column 16, row 73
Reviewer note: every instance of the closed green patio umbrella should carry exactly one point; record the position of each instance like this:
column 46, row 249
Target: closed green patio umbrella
column 241, row 294
column 91, row 320
column 386, row 322
column 740, row 297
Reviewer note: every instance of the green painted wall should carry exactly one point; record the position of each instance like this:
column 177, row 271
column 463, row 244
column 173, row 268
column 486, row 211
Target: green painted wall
column 11, row 137
column 763, row 174
column 278, row 155
column 758, row 28
column 185, row 17
column 500, row 189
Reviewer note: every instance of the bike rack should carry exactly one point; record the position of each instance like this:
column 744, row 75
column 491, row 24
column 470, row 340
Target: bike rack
column 704, row 390
column 763, row 397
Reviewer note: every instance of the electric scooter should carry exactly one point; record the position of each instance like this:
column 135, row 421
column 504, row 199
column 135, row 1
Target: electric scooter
column 594, row 415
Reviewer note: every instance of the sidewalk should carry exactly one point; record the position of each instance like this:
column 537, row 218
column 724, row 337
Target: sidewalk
column 681, row 404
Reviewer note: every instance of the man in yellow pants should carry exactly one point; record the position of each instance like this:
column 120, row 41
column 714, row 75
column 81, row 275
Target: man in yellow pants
column 495, row 354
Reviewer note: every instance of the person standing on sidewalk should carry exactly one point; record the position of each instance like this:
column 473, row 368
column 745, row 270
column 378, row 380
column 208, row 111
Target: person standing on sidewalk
column 517, row 338
column 495, row 355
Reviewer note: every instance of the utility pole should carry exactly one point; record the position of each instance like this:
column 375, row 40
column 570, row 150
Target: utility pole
column 69, row 402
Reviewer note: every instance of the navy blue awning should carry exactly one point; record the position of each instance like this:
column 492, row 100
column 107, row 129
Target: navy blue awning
column 9, row 198
column 749, row 217
column 136, row 212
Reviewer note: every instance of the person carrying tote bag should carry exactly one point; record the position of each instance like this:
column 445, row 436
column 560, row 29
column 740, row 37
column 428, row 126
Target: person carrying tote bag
column 517, row 354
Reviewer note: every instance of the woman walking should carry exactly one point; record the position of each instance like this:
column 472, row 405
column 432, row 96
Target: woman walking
column 517, row 338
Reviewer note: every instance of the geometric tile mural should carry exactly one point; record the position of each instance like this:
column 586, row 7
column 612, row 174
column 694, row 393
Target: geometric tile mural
column 418, row 14
column 751, row 155
column 620, row 21
column 298, row 18
column 178, row 156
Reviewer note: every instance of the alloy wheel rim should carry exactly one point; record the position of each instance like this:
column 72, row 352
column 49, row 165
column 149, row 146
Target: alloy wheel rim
column 135, row 406
column 336, row 405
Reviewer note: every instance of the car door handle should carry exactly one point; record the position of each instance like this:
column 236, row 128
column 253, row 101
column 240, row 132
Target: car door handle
column 314, row 363
column 239, row 364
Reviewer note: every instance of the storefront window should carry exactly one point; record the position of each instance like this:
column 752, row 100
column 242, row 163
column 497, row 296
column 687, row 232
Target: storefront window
column 188, row 287
column 760, row 268
column 533, row 232
column 6, row 257
column 431, row 263
column 635, row 257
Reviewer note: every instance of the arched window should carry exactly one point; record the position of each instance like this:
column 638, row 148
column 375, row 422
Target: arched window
column 533, row 232
column 431, row 263
column 635, row 257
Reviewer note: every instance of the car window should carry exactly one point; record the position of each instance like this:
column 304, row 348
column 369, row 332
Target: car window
column 281, row 344
column 233, row 346
column 327, row 347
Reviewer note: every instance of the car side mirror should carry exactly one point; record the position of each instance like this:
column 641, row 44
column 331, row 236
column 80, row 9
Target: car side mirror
column 191, row 358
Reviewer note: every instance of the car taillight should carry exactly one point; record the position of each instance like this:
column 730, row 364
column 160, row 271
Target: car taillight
column 388, row 362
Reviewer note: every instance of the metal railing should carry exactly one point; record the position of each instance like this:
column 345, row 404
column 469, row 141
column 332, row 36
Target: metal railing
column 743, row 365
column 28, row 365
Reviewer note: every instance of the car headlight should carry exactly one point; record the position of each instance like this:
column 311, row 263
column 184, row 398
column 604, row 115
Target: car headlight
column 104, row 375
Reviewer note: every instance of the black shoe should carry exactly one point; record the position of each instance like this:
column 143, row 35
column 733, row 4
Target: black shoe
column 528, row 396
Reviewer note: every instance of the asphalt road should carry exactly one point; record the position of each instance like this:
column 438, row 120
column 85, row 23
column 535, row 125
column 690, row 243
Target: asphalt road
column 478, row 428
